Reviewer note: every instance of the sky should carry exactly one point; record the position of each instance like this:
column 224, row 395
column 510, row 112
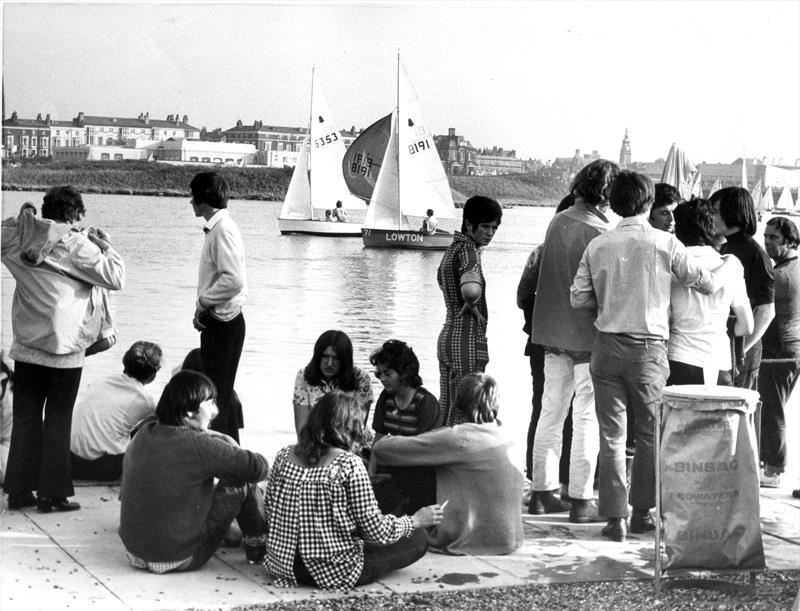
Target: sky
column 719, row 78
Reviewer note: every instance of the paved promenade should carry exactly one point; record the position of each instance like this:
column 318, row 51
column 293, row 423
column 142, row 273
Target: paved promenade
column 75, row 561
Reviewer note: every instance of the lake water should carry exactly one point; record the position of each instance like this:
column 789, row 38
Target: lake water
column 298, row 287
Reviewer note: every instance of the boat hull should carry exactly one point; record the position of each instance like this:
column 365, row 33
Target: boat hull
column 398, row 238
column 323, row 228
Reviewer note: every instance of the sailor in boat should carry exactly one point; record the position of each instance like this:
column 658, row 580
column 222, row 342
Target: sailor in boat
column 430, row 223
column 339, row 213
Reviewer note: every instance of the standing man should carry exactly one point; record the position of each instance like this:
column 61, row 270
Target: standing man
column 626, row 274
column 666, row 200
column 781, row 343
column 567, row 336
column 221, row 290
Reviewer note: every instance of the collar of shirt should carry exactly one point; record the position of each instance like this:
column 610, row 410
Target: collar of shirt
column 638, row 219
column 785, row 261
column 590, row 209
column 212, row 222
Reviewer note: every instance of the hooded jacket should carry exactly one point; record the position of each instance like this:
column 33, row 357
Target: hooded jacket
column 59, row 273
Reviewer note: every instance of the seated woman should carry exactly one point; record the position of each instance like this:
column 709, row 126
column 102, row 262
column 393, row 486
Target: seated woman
column 172, row 516
column 325, row 528
column 331, row 368
column 474, row 474
column 405, row 408
column 698, row 336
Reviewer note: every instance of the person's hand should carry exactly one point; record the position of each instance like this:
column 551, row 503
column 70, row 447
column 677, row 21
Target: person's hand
column 100, row 238
column 196, row 321
column 472, row 309
column 426, row 517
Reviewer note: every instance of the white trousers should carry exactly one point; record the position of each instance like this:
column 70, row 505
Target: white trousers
column 562, row 378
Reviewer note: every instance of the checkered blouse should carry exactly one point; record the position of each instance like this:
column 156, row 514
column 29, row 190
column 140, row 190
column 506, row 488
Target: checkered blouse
column 325, row 514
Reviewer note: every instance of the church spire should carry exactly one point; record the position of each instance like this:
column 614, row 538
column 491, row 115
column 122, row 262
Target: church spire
column 625, row 151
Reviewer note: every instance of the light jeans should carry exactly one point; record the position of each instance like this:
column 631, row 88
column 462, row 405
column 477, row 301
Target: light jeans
column 562, row 378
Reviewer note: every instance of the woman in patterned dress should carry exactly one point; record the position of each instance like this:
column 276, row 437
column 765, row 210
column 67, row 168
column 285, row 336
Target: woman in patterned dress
column 324, row 525
column 462, row 346
column 331, row 368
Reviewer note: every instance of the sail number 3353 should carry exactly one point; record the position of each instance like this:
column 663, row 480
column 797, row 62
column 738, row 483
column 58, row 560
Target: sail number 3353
column 420, row 145
column 326, row 139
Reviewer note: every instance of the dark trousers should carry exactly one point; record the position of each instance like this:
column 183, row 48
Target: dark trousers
column 537, row 381
column 378, row 559
column 107, row 468
column 39, row 457
column 220, row 348
column 775, row 384
column 244, row 503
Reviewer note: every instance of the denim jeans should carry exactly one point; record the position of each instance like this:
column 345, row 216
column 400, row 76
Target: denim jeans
column 563, row 377
column 627, row 371
column 220, row 348
column 245, row 503
column 39, row 457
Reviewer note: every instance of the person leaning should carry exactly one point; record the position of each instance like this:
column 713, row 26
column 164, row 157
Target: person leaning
column 221, row 290
column 58, row 269
column 626, row 273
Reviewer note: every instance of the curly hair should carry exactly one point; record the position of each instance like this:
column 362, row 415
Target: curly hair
column 63, row 204
column 593, row 182
column 399, row 356
column 335, row 421
column 142, row 361
column 476, row 398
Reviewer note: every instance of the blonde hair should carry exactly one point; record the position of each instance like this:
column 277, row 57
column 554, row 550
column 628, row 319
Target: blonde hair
column 476, row 398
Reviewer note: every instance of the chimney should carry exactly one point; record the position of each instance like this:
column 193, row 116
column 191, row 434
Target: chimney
column 39, row 116
column 451, row 131
column 147, row 118
column 238, row 123
column 81, row 119
column 47, row 119
column 169, row 118
column 185, row 119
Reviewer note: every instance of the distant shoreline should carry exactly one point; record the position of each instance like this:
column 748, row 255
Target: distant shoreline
column 248, row 183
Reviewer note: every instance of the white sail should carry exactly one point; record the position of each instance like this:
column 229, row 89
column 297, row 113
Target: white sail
column 785, row 201
column 297, row 204
column 384, row 205
column 715, row 187
column 423, row 183
column 767, row 199
column 326, row 151
column 758, row 200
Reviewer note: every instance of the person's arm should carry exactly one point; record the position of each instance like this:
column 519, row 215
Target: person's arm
column 300, row 402
column 437, row 447
column 429, row 413
column 691, row 274
column 95, row 262
column 581, row 292
column 225, row 460
column 526, row 288
column 372, row 469
column 762, row 316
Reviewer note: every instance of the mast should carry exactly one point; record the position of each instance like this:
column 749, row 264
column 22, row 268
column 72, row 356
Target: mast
column 308, row 148
column 397, row 139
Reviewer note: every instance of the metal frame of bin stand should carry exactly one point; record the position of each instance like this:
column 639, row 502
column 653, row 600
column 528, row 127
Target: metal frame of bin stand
column 687, row 582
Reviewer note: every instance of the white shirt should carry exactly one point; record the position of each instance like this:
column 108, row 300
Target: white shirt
column 698, row 323
column 222, row 278
column 102, row 422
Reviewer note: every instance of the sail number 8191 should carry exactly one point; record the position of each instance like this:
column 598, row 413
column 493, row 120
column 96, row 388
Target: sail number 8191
column 326, row 139
column 416, row 147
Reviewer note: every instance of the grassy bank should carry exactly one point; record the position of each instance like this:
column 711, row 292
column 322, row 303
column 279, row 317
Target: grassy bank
column 151, row 178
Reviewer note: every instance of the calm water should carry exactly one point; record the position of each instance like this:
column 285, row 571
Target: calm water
column 300, row 286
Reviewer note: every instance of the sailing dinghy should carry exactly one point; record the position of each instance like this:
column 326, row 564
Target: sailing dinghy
column 411, row 180
column 317, row 182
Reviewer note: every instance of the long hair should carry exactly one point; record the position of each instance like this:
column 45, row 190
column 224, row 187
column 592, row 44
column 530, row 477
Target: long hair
column 476, row 398
column 183, row 395
column 343, row 347
column 694, row 222
column 335, row 421
column 399, row 356
column 592, row 182
column 736, row 209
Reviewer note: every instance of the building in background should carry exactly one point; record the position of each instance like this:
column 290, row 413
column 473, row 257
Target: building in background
column 625, row 151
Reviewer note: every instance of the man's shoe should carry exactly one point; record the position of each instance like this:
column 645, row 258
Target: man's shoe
column 546, row 502
column 584, row 511
column 21, row 501
column 796, row 493
column 46, row 505
column 642, row 522
column 770, row 481
column 615, row 529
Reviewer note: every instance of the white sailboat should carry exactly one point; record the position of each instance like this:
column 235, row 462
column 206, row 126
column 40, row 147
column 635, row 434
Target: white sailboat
column 317, row 182
column 785, row 202
column 410, row 182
